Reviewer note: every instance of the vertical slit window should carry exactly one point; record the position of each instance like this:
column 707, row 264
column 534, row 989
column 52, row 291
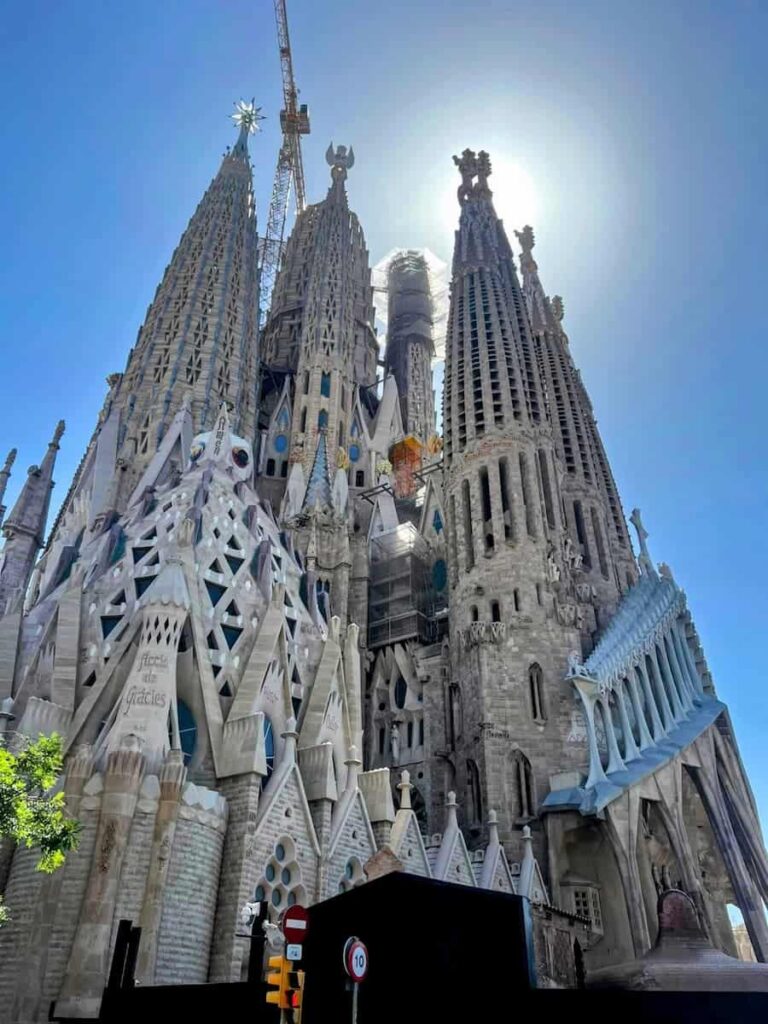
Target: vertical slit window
column 467, row 510
column 495, row 611
column 581, row 533
column 506, row 509
column 485, row 495
column 549, row 505
column 530, row 521
column 601, row 555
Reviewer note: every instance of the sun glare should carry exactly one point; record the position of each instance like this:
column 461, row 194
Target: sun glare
column 515, row 197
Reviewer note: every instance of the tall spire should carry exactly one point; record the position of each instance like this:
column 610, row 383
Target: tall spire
column 199, row 338
column 24, row 529
column 5, row 472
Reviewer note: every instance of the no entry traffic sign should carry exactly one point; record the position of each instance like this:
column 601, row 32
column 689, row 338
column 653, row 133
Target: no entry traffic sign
column 295, row 923
column 355, row 959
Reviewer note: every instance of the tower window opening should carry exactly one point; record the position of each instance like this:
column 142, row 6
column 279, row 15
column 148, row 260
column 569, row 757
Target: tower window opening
column 473, row 613
column 530, row 520
column 598, row 533
column 284, row 468
column 325, row 385
column 270, row 467
column 303, row 426
column 410, row 735
column 467, row 506
column 306, row 382
column 485, row 494
column 549, row 506
column 506, row 510
column 525, row 797
column 581, row 533
column 535, row 686
column 474, row 795
column 382, row 739
column 539, row 599
column 495, row 611
column 360, row 478
column 322, row 419
column 516, row 599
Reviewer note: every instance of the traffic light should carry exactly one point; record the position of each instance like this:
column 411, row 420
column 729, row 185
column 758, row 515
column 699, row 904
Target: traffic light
column 277, row 975
column 295, row 994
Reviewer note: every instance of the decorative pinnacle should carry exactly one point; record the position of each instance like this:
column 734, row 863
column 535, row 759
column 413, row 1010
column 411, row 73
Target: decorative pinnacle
column 473, row 165
column 247, row 116
column 340, row 161
column 642, row 536
column 58, row 433
column 9, row 461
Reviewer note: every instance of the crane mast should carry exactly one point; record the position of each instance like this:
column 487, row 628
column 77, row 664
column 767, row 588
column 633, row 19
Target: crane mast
column 294, row 122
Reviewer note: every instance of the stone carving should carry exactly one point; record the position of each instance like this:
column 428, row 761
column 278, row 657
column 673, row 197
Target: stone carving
column 473, row 165
column 394, row 743
column 340, row 161
column 526, row 239
column 558, row 309
column 483, row 633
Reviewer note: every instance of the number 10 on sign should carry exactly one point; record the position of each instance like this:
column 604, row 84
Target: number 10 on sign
column 356, row 966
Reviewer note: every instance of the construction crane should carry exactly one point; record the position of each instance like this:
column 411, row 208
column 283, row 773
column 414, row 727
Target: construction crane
column 294, row 122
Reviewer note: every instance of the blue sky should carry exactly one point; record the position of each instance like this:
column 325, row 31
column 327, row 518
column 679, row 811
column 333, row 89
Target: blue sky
column 632, row 135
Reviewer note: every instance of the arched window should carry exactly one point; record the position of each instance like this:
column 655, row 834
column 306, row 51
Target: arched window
column 303, row 426
column 455, row 714
column 325, row 385
column 525, row 803
column 495, row 611
column 474, row 796
column 401, row 692
column 536, row 689
column 322, row 419
column 473, row 613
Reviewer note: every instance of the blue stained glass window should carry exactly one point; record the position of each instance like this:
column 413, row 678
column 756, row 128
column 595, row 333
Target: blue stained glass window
column 325, row 385
column 280, row 851
column 437, row 521
column 270, row 872
column 322, row 419
column 285, row 874
column 281, row 443
column 283, row 419
column 354, row 452
column 439, row 574
column 260, row 894
column 276, row 897
column 187, row 731
column 269, row 748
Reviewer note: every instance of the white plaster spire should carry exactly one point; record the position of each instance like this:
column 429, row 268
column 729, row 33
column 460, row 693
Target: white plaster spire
column 404, row 788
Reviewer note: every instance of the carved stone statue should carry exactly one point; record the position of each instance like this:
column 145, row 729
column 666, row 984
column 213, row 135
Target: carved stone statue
column 467, row 164
column 340, row 161
column 394, row 743
column 526, row 239
column 558, row 309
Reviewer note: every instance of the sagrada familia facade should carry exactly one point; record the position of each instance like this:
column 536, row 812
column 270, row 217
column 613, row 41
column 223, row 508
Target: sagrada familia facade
column 293, row 639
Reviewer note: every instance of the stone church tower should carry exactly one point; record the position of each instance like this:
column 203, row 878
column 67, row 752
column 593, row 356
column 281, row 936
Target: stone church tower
column 288, row 635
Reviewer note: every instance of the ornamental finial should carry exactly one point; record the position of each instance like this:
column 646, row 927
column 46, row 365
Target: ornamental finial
column 526, row 239
column 473, row 165
column 58, row 433
column 247, row 116
column 646, row 565
column 340, row 161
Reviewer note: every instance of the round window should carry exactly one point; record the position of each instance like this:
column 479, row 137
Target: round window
column 354, row 452
column 277, row 897
column 285, row 874
column 270, row 872
column 240, row 457
column 280, row 851
column 281, row 443
column 260, row 893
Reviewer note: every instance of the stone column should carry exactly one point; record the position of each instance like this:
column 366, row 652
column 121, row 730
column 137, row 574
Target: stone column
column 239, row 875
column 88, row 962
column 31, row 977
column 172, row 777
column 646, row 740
column 630, row 747
column 678, row 700
column 650, row 701
column 684, row 685
column 686, row 661
column 615, row 762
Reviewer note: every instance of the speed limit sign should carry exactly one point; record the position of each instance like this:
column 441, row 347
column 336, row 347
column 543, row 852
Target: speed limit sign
column 355, row 959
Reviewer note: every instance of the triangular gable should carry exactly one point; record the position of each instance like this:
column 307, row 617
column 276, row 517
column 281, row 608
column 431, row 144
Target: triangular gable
column 384, row 517
column 453, row 862
column 388, row 425
column 285, row 792
column 351, row 816
column 531, row 881
column 407, row 843
column 432, row 522
column 178, row 437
